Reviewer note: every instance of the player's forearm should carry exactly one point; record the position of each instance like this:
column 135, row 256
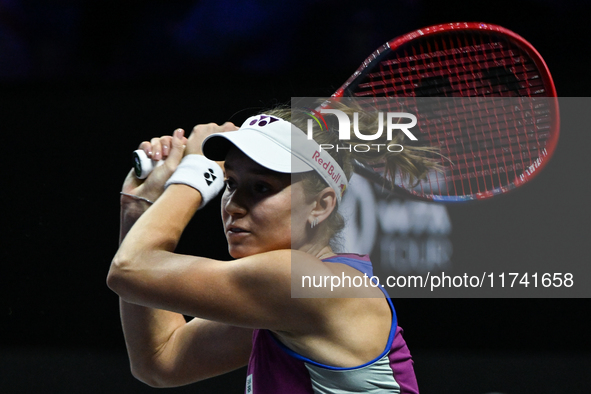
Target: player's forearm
column 145, row 237
column 131, row 210
column 146, row 330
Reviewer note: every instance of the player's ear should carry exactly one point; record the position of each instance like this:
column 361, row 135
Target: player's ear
column 324, row 203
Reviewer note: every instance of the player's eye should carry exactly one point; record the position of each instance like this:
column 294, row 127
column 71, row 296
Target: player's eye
column 262, row 187
column 230, row 184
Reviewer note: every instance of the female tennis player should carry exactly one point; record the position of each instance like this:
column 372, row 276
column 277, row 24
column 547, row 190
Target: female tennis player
column 279, row 211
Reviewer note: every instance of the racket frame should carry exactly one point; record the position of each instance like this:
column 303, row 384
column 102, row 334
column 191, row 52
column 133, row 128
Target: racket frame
column 382, row 52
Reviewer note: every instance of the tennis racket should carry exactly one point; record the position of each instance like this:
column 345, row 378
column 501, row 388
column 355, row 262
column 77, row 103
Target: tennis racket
column 502, row 124
column 495, row 119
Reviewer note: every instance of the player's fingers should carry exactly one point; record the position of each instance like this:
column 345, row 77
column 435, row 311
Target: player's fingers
column 166, row 142
column 156, row 149
column 146, row 146
column 229, row 126
column 177, row 148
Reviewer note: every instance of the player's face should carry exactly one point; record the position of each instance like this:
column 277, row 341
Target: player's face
column 261, row 209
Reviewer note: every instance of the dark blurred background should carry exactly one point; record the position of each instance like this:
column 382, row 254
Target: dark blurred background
column 83, row 82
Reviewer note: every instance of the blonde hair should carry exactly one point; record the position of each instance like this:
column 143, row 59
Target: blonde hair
column 413, row 162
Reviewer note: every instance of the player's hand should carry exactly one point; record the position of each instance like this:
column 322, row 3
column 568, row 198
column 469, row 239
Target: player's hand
column 200, row 132
column 168, row 148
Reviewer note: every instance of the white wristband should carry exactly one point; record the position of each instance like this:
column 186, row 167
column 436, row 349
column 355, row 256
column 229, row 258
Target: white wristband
column 202, row 174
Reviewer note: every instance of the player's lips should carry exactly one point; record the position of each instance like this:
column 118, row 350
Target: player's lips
column 235, row 231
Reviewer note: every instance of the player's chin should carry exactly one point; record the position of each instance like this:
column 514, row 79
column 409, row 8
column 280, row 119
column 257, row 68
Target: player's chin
column 249, row 245
column 240, row 251
column 245, row 249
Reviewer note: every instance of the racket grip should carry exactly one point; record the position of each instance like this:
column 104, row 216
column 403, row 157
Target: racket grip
column 143, row 165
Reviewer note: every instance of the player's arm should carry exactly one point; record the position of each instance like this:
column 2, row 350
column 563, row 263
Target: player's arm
column 252, row 292
column 166, row 351
column 157, row 287
column 229, row 298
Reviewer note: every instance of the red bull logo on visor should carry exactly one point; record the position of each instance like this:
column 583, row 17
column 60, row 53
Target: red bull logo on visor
column 328, row 167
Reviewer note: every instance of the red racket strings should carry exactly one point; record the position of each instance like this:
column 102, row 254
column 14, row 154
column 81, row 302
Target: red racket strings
column 484, row 147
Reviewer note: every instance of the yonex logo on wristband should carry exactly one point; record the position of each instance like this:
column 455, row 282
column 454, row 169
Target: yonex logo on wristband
column 187, row 173
column 208, row 175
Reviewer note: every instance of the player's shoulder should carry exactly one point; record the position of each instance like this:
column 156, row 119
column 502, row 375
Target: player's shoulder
column 277, row 263
column 281, row 266
column 284, row 256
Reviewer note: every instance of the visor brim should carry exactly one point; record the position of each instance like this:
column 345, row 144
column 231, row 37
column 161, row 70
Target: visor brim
column 257, row 146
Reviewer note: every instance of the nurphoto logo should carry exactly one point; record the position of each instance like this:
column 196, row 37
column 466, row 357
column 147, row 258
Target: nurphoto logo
column 393, row 120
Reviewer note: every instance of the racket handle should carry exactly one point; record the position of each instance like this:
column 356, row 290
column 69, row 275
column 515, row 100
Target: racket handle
column 143, row 165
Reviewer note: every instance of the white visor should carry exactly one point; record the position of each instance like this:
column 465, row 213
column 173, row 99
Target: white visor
column 279, row 146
